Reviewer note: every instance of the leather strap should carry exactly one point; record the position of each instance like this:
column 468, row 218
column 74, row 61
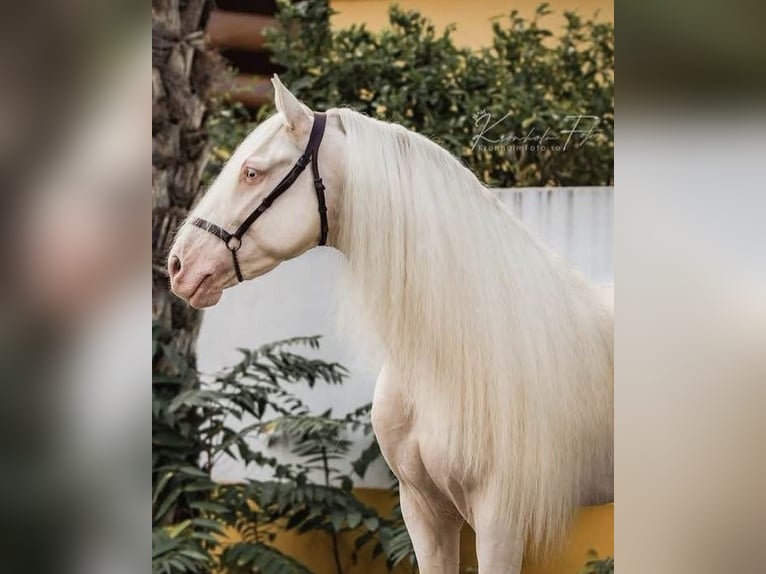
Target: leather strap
column 233, row 241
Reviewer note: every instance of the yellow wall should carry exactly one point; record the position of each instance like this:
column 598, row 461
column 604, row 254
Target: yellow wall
column 472, row 18
column 593, row 530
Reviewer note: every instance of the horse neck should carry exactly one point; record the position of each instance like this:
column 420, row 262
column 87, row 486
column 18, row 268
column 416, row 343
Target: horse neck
column 431, row 252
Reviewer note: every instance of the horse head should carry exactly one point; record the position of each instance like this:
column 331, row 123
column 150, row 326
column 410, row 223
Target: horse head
column 266, row 179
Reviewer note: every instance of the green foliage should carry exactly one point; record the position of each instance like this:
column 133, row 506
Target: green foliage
column 598, row 565
column 227, row 125
column 248, row 557
column 533, row 82
column 197, row 420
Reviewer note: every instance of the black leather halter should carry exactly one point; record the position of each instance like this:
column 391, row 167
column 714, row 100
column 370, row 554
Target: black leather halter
column 233, row 241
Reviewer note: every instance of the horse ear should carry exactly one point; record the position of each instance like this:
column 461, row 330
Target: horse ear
column 297, row 116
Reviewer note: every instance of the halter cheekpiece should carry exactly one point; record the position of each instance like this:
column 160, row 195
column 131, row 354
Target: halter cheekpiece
column 233, row 241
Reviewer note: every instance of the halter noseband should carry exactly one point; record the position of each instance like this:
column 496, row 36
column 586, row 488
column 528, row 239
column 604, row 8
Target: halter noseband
column 233, row 241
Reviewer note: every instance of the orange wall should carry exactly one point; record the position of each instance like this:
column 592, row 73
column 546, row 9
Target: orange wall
column 474, row 28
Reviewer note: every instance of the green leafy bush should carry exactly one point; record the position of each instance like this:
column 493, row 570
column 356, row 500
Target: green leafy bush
column 197, row 420
column 536, row 85
column 596, row 565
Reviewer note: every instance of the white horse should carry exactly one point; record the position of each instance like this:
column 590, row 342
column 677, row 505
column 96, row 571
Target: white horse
column 494, row 407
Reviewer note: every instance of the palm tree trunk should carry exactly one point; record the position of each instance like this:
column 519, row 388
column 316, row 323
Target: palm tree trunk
column 182, row 68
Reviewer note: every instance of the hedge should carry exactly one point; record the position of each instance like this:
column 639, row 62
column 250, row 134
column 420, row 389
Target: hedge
column 533, row 108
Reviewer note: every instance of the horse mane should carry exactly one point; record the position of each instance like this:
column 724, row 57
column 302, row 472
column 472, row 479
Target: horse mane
column 489, row 329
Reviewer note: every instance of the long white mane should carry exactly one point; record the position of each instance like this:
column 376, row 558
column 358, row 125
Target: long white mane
column 507, row 349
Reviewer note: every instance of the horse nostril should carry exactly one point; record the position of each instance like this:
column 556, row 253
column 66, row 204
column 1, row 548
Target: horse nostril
column 175, row 266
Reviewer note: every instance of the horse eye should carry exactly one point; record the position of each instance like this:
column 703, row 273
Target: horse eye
column 250, row 174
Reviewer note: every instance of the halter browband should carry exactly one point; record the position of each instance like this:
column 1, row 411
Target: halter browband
column 233, row 241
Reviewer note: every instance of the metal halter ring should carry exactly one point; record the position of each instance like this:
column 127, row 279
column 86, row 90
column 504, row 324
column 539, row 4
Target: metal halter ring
column 234, row 243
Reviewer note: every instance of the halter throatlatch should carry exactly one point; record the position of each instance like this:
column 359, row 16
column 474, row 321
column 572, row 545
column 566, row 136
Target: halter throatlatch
column 233, row 241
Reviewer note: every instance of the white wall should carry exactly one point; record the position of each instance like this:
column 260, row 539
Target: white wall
column 299, row 298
